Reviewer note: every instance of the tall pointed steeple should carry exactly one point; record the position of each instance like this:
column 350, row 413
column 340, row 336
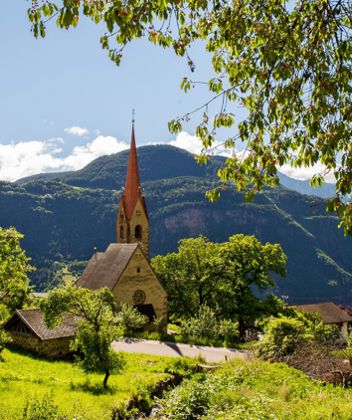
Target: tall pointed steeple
column 133, row 184
column 132, row 220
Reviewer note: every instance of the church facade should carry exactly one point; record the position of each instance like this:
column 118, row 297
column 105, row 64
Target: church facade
column 124, row 267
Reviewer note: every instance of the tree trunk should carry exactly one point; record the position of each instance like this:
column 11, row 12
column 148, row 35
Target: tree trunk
column 105, row 383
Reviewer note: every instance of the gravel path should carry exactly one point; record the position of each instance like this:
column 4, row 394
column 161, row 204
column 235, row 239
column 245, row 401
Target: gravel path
column 210, row 354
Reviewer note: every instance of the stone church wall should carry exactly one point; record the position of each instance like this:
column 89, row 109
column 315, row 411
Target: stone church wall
column 138, row 276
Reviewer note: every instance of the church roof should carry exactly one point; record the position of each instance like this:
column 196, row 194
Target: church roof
column 329, row 312
column 34, row 320
column 133, row 190
column 105, row 268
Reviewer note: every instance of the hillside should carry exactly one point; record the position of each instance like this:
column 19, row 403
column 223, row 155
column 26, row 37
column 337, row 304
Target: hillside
column 98, row 174
column 65, row 216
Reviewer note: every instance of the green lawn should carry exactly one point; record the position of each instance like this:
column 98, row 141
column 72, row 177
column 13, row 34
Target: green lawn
column 22, row 376
column 257, row 390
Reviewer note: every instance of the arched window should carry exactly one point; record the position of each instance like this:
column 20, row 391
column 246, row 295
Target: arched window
column 121, row 232
column 138, row 232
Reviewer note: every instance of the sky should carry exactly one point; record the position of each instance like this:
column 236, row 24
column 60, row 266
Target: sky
column 63, row 103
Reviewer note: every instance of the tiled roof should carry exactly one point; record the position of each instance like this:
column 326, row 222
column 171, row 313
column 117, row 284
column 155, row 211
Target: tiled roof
column 329, row 312
column 105, row 268
column 33, row 318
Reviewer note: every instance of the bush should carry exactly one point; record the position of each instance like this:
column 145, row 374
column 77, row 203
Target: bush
column 228, row 331
column 282, row 336
column 44, row 409
column 130, row 319
column 205, row 328
column 4, row 339
column 188, row 401
column 159, row 324
column 183, row 367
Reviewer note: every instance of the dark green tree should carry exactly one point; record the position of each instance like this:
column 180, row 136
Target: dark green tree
column 188, row 275
column 14, row 266
column 97, row 325
column 289, row 64
column 246, row 269
column 230, row 277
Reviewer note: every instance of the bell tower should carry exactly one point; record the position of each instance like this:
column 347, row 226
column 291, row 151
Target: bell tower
column 132, row 223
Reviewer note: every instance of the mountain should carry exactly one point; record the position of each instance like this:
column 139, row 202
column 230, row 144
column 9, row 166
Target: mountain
column 109, row 171
column 326, row 191
column 63, row 216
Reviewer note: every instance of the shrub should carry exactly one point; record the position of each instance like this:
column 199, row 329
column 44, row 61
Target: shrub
column 282, row 336
column 228, row 331
column 44, row 409
column 182, row 367
column 189, row 401
column 204, row 325
column 159, row 324
column 130, row 319
column 4, row 339
column 206, row 328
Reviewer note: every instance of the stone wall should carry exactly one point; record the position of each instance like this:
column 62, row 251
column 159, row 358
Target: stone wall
column 58, row 347
column 125, row 232
column 139, row 218
column 139, row 276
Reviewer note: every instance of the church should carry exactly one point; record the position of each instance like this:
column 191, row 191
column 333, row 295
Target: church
column 124, row 267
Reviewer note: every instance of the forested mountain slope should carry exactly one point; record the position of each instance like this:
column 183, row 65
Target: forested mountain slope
column 65, row 215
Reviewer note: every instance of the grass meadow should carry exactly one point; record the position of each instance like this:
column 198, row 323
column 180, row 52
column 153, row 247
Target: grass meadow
column 24, row 377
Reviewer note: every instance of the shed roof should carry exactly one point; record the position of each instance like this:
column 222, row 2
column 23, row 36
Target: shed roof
column 34, row 320
column 105, row 268
column 329, row 312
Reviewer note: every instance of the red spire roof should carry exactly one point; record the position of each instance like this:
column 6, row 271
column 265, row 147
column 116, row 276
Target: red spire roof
column 133, row 189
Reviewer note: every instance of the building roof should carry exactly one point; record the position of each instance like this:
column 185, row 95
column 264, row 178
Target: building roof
column 105, row 268
column 34, row 320
column 133, row 190
column 329, row 312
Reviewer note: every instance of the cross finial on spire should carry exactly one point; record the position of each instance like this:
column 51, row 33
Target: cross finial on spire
column 133, row 116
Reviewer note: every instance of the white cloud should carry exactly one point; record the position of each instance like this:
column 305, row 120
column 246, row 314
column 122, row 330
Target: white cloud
column 304, row 173
column 18, row 160
column 77, row 131
column 193, row 145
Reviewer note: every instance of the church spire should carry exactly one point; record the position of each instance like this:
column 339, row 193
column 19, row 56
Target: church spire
column 132, row 219
column 133, row 184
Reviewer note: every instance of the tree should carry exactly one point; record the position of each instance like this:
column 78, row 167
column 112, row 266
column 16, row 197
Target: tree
column 14, row 266
column 229, row 277
column 188, row 275
column 288, row 64
column 97, row 326
column 246, row 267
column 14, row 283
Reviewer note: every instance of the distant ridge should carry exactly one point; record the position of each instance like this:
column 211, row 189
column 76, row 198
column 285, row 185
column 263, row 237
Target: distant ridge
column 107, row 170
column 64, row 216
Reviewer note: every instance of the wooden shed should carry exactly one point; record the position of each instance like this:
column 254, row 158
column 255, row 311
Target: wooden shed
column 28, row 330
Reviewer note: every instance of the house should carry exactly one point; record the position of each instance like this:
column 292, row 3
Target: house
column 330, row 314
column 28, row 330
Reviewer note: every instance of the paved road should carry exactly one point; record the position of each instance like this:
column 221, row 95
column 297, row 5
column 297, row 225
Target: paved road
column 210, row 354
